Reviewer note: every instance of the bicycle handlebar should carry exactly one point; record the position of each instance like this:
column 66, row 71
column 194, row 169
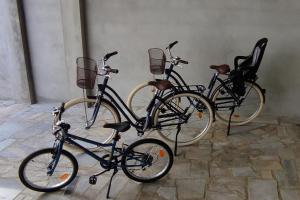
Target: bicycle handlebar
column 172, row 44
column 175, row 60
column 115, row 71
column 183, row 62
column 107, row 56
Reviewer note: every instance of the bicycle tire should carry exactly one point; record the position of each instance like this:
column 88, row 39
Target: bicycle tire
column 30, row 159
column 236, row 117
column 164, row 151
column 74, row 115
column 185, row 138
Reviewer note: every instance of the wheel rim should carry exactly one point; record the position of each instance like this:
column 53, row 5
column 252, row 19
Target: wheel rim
column 35, row 171
column 247, row 111
column 154, row 159
column 75, row 116
column 197, row 125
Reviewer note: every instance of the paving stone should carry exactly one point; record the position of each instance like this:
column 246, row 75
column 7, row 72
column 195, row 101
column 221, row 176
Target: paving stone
column 258, row 131
column 229, row 186
column 219, row 171
column 190, row 188
column 131, row 191
column 245, row 128
column 181, row 169
column 266, row 157
column 287, row 154
column 9, row 188
column 118, row 184
column 148, row 190
column 246, row 165
column 266, row 165
column 266, row 119
column 290, row 194
column 5, row 143
column 287, row 177
column 289, row 120
column 262, row 190
column 168, row 193
column 265, row 174
column 281, row 131
column 243, row 171
column 198, row 154
column 222, row 196
column 199, row 169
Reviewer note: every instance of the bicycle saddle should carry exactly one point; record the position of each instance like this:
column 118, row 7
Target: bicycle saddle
column 161, row 84
column 120, row 127
column 222, row 69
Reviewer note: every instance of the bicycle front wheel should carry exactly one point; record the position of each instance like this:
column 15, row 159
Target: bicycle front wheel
column 244, row 113
column 147, row 160
column 33, row 171
column 78, row 111
column 191, row 110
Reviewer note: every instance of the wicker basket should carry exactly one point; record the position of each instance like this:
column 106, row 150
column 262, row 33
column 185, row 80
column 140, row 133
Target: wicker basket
column 86, row 72
column 157, row 60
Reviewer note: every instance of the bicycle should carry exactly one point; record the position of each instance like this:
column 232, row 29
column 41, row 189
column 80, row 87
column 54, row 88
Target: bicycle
column 237, row 95
column 51, row 169
column 164, row 114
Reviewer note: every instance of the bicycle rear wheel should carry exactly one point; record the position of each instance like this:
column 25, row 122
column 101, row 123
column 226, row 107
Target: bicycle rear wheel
column 244, row 113
column 33, row 170
column 139, row 98
column 172, row 111
column 74, row 114
column 147, row 160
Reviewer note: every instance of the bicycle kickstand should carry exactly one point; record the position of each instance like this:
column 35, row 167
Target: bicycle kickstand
column 229, row 122
column 114, row 173
column 176, row 143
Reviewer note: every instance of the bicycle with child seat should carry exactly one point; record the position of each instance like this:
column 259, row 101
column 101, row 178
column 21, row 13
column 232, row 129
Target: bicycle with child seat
column 238, row 95
column 51, row 169
column 164, row 114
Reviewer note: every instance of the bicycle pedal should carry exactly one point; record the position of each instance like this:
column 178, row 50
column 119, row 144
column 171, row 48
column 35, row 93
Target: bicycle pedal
column 93, row 180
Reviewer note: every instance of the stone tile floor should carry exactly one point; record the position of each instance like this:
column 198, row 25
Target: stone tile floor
column 257, row 161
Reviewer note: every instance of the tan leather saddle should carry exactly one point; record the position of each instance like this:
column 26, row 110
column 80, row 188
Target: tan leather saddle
column 161, row 84
column 222, row 69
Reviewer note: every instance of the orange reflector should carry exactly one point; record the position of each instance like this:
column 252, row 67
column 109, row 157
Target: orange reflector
column 64, row 176
column 161, row 153
column 236, row 115
column 200, row 114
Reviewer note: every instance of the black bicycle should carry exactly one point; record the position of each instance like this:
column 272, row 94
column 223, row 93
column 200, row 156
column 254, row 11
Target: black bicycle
column 237, row 95
column 187, row 111
column 51, row 169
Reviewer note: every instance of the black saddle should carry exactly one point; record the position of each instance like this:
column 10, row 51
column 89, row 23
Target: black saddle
column 120, row 127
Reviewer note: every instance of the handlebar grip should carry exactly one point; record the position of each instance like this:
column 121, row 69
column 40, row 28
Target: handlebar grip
column 184, row 62
column 115, row 71
column 107, row 56
column 172, row 44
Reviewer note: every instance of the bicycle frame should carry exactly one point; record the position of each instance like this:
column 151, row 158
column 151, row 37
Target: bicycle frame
column 141, row 124
column 182, row 84
column 70, row 139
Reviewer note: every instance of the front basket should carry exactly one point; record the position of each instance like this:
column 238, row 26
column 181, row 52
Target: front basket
column 86, row 72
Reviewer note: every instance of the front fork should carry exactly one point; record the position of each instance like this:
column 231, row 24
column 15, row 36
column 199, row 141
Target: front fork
column 57, row 149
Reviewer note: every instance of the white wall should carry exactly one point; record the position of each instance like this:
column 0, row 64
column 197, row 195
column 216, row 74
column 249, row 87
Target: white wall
column 209, row 32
